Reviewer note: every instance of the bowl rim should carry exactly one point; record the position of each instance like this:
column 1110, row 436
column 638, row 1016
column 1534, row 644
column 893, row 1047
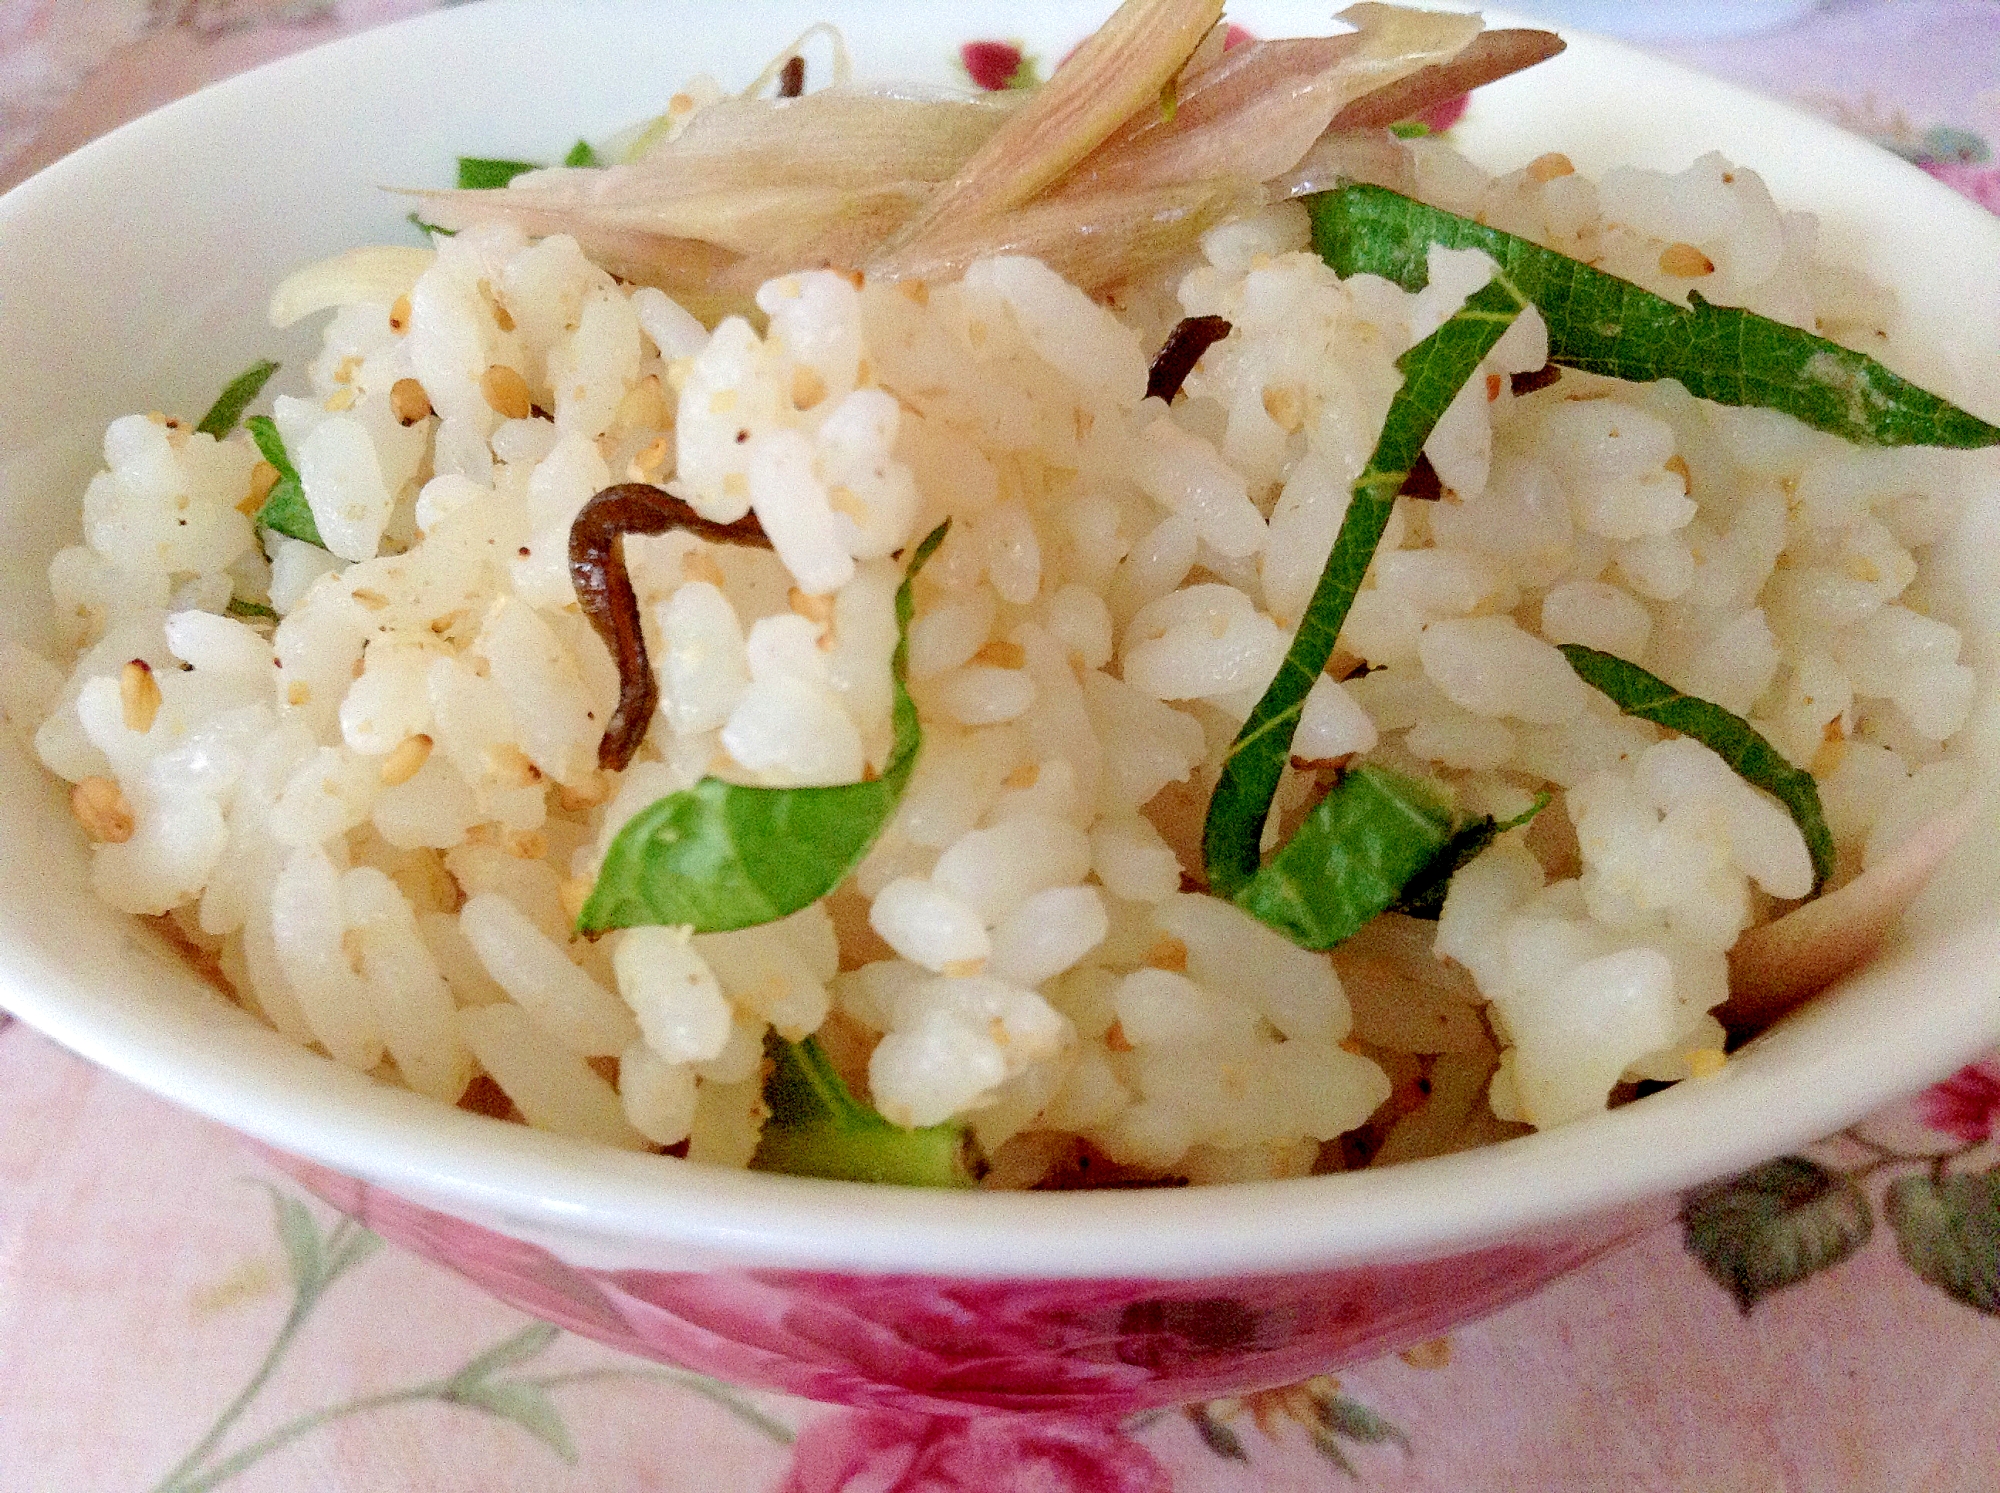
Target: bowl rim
column 594, row 1199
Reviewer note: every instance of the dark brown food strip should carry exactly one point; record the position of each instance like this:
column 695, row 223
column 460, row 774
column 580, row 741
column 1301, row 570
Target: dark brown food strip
column 604, row 588
column 1190, row 338
column 792, row 78
column 1423, row 481
column 1527, row 383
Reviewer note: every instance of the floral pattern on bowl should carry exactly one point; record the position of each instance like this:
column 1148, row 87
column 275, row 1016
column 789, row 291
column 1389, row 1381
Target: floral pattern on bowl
column 939, row 1344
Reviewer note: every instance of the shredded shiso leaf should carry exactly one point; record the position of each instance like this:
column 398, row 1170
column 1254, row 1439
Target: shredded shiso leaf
column 719, row 855
column 1362, row 844
column 285, row 509
column 818, row 1128
column 1729, row 736
column 1601, row 324
column 482, row 173
column 1423, row 894
column 235, row 399
column 1433, row 373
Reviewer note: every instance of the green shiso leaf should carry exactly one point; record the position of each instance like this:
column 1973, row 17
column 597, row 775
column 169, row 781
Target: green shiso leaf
column 1423, row 895
column 1433, row 373
column 251, row 610
column 1729, row 736
column 478, row 174
column 234, row 400
column 582, row 154
column 1948, row 1230
column 1601, row 324
column 819, row 1129
column 1351, row 859
column 285, row 507
column 720, row 855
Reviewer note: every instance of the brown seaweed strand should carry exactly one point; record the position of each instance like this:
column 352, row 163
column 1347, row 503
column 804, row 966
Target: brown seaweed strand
column 1423, row 481
column 792, row 78
column 1191, row 337
column 604, row 587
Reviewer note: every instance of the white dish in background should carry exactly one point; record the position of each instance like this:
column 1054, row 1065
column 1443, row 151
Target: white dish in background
column 138, row 270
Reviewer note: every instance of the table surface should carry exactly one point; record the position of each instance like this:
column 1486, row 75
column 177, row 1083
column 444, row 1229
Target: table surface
column 153, row 1335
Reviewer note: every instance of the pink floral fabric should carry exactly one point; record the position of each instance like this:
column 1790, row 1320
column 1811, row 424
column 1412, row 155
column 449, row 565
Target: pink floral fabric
column 179, row 1314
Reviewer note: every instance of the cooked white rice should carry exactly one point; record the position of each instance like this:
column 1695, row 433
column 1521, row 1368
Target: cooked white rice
column 381, row 816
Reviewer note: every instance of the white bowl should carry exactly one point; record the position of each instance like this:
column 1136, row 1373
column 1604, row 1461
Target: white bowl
column 137, row 273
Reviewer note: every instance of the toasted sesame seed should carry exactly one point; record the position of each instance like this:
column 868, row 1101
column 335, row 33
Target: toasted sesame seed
column 1546, row 168
column 1168, row 953
column 808, row 388
column 1685, row 262
column 263, row 477
column 813, row 608
column 139, row 696
column 1286, row 409
column 1002, row 655
column 408, row 401
column 963, row 969
column 647, row 464
column 399, row 315
column 1024, row 776
column 509, row 765
column 100, row 807
column 506, row 392
column 406, row 760
column 644, row 406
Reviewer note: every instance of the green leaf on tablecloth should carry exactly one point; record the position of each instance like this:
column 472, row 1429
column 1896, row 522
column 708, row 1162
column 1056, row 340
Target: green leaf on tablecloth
column 1774, row 1225
column 1216, row 1436
column 305, row 1251
column 1328, row 1446
column 354, row 1245
column 519, row 1348
column 1948, row 1229
column 1348, row 1417
column 528, row 1406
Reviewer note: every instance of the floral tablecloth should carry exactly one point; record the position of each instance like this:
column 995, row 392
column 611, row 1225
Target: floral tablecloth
column 175, row 1315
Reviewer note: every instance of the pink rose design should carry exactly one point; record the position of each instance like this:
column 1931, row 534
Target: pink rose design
column 1963, row 1105
column 1980, row 183
column 914, row 1346
column 888, row 1451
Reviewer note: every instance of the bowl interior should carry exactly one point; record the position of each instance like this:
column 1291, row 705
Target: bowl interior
column 139, row 269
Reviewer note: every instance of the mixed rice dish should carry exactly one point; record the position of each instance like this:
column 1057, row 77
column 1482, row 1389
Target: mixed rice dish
column 523, row 713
